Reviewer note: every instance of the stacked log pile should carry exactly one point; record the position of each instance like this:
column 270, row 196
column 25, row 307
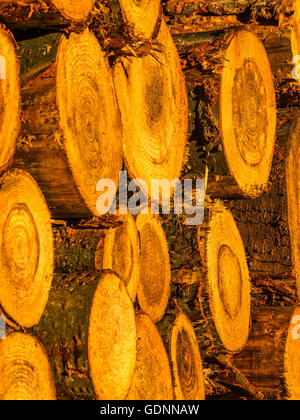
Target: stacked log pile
column 141, row 306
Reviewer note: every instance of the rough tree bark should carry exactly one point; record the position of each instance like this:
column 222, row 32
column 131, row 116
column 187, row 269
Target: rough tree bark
column 232, row 111
column 44, row 14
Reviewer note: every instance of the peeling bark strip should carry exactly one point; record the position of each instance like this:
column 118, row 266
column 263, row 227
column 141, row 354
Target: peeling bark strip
column 26, row 260
column 24, row 370
column 44, row 14
column 88, row 330
column 71, row 133
column 182, row 348
column 152, row 378
column 232, row 111
column 10, row 98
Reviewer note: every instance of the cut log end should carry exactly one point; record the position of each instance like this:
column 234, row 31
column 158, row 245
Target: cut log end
column 10, row 101
column 152, row 377
column 155, row 136
column 24, row 369
column 121, row 254
column 292, row 359
column 228, row 280
column 89, row 115
column 186, row 361
column 112, row 339
column 74, row 10
column 248, row 112
column 26, row 263
column 143, row 16
column 293, row 193
column 155, row 275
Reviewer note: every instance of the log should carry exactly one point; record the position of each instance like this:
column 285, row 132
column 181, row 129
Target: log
column 224, row 292
column 154, row 139
column 80, row 249
column 215, row 293
column 264, row 222
column 232, row 111
column 71, row 132
column 46, row 14
column 270, row 360
column 10, row 102
column 191, row 15
column 155, row 273
column 185, row 360
column 26, row 260
column 89, row 332
column 25, row 370
column 293, row 195
column 123, row 26
column 152, row 378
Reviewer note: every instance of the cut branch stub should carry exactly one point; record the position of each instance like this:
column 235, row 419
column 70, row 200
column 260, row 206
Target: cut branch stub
column 248, row 112
column 121, row 253
column 44, row 14
column 71, row 136
column 153, row 102
column 181, row 343
column 152, row 378
column 89, row 332
column 24, row 369
column 293, row 193
column 26, row 260
column 155, row 272
column 10, row 102
column 228, row 281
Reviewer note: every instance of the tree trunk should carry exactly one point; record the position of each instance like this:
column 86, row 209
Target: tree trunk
column 25, row 370
column 46, row 14
column 26, row 260
column 217, row 294
column 232, row 111
column 152, row 378
column 188, row 16
column 155, row 275
column 79, row 249
column 88, row 330
column 10, row 101
column 71, row 135
column 155, row 136
column 185, row 360
column 263, row 222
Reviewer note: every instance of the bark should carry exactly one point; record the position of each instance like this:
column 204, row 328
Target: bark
column 67, row 317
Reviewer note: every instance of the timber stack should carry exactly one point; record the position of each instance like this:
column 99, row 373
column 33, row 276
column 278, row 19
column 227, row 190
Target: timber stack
column 138, row 306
